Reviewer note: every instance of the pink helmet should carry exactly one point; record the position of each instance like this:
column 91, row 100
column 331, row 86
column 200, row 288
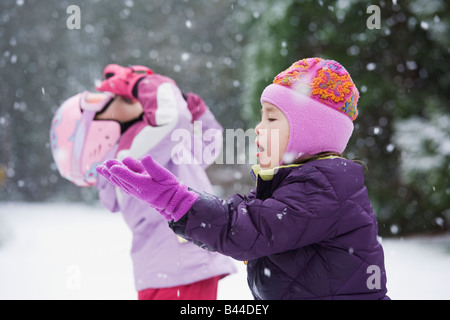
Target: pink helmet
column 79, row 143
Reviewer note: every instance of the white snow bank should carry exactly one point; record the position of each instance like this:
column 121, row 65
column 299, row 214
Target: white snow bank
column 59, row 251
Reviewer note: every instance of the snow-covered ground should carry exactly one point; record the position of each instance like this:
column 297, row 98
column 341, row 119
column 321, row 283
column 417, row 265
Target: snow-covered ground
column 60, row 251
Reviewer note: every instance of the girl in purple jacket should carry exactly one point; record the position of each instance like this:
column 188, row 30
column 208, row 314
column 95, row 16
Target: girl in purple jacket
column 92, row 127
column 308, row 230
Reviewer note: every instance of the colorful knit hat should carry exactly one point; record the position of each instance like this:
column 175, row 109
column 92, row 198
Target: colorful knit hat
column 319, row 99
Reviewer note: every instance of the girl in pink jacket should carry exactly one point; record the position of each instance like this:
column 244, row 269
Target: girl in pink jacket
column 139, row 114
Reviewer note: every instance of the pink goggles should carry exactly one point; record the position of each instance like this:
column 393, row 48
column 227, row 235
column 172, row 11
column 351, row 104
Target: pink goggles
column 83, row 135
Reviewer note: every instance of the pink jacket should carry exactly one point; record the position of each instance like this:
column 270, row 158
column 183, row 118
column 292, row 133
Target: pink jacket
column 160, row 258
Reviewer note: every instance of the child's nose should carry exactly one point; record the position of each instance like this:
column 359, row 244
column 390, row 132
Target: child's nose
column 257, row 128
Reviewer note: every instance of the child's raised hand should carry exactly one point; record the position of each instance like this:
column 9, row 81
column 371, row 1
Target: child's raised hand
column 122, row 80
column 196, row 105
column 103, row 170
column 152, row 183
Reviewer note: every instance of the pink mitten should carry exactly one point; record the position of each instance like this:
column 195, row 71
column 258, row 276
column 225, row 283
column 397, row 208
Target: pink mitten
column 122, row 80
column 196, row 105
column 156, row 185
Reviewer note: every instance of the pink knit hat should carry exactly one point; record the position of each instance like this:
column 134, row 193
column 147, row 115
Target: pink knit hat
column 319, row 100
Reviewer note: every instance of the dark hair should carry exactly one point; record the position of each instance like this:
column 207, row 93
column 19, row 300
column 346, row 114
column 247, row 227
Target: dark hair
column 305, row 159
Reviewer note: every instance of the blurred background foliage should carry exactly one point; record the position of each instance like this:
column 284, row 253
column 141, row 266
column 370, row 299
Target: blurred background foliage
column 228, row 51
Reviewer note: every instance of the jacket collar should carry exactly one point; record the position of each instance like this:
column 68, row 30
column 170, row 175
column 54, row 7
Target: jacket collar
column 268, row 174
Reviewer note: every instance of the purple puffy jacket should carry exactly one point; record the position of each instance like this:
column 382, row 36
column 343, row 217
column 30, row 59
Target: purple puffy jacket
column 307, row 232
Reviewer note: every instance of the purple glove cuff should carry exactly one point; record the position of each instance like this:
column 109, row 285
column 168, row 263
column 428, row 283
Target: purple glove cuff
column 181, row 202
